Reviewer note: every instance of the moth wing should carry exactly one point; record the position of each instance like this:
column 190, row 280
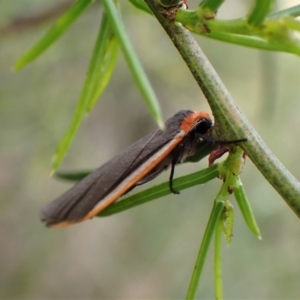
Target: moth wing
column 78, row 201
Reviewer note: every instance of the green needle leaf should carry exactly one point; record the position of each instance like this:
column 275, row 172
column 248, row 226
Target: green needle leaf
column 133, row 62
column 62, row 24
column 161, row 190
column 289, row 12
column 244, row 205
column 91, row 88
column 103, row 78
column 103, row 62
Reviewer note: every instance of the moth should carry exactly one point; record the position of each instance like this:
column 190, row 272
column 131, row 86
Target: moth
column 138, row 164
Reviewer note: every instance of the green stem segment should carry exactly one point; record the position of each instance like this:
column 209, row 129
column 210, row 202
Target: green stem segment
column 259, row 11
column 256, row 31
column 221, row 220
column 218, row 261
column 209, row 232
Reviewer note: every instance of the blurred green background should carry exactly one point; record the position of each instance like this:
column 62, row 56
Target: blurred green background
column 149, row 251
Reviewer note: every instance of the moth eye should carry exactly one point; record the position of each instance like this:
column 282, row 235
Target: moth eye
column 203, row 126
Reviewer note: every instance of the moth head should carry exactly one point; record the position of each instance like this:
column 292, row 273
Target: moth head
column 204, row 126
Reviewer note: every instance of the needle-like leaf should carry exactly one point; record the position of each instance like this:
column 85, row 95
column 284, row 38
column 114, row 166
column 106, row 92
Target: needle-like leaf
column 57, row 30
column 134, row 64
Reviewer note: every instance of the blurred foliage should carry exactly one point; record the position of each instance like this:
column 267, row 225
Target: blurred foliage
column 149, row 251
column 277, row 31
column 257, row 29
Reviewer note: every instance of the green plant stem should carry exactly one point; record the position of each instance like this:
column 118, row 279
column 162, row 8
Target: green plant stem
column 259, row 11
column 272, row 35
column 253, row 42
column 229, row 117
column 218, row 261
column 228, row 222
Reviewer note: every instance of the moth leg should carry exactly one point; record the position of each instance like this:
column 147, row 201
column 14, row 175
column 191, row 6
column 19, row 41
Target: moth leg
column 171, row 179
column 177, row 156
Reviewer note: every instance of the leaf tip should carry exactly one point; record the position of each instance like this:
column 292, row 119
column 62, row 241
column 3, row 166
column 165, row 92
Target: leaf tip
column 160, row 123
column 51, row 173
column 55, row 164
column 17, row 66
